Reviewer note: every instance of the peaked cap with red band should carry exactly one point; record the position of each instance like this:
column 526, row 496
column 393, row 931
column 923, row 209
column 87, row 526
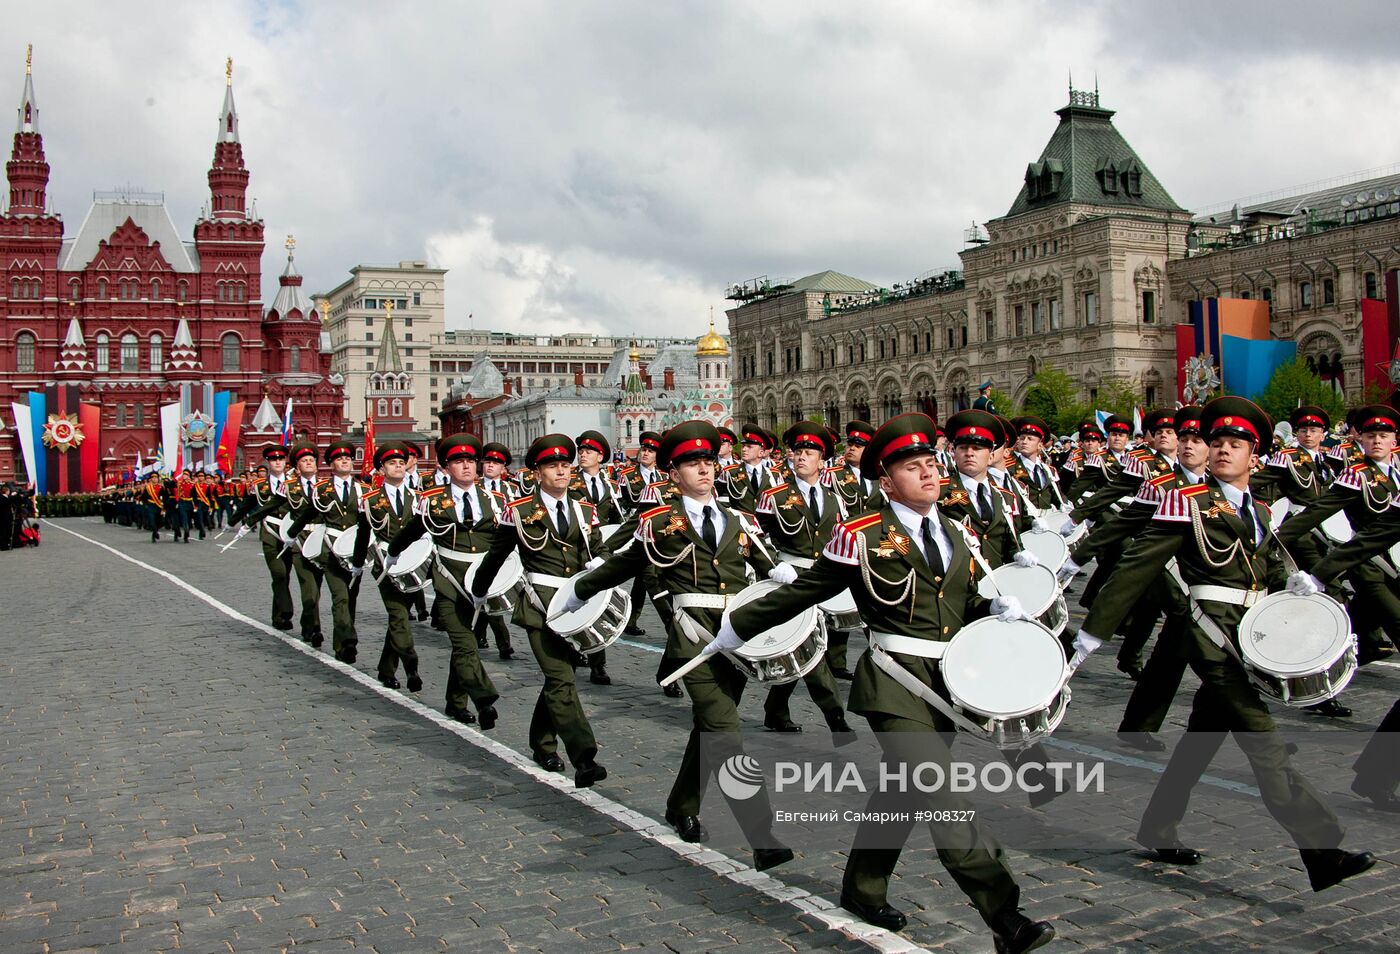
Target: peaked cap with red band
column 274, row 452
column 551, row 447
column 974, row 427
column 1158, row 419
column 390, row 450
column 688, row 441
column 1090, row 431
column 1309, row 415
column 859, row 432
column 459, row 447
column 497, row 452
column 806, row 435
column 1376, row 417
column 901, row 436
column 649, row 439
column 752, row 434
column 594, row 440
column 1034, row 426
column 1187, row 420
column 1114, row 423
column 1232, row 416
column 302, row 449
column 339, row 449
column 725, row 434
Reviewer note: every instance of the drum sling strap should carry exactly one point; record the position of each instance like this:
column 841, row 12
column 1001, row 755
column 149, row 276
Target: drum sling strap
column 891, row 667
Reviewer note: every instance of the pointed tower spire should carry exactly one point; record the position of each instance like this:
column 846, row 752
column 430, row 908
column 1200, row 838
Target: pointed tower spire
column 388, row 360
column 290, row 296
column 27, row 169
column 228, row 177
column 73, row 356
column 184, row 358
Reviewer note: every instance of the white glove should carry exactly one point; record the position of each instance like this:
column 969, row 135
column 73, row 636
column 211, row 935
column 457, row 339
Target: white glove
column 726, row 638
column 1084, row 645
column 1026, row 558
column 1040, row 526
column 1067, row 571
column 593, row 564
column 389, row 561
column 356, row 572
column 782, row 573
column 1068, row 527
column 1007, row 608
column 573, row 602
column 1304, row 583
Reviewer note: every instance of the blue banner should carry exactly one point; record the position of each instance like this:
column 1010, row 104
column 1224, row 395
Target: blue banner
column 1250, row 364
column 38, row 417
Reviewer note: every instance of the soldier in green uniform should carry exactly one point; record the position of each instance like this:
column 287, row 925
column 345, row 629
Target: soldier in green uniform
column 267, row 497
column 798, row 519
column 1300, row 473
column 336, row 504
column 1225, row 556
column 462, row 517
column 633, row 483
column 744, row 483
column 385, row 511
column 1031, row 467
column 909, row 566
column 972, row 498
column 1082, row 470
column 857, row 496
column 700, row 553
column 557, row 538
column 591, row 484
column 301, row 490
column 153, row 502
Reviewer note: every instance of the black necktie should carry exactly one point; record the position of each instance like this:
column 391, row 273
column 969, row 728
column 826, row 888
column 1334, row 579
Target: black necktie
column 984, row 502
column 345, row 492
column 397, row 502
column 707, row 530
column 594, row 495
column 563, row 519
column 932, row 555
column 812, row 502
column 1039, row 477
column 1247, row 518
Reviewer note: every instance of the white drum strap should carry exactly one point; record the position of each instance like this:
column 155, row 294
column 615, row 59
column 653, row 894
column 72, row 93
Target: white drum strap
column 909, row 645
column 457, row 556
column 1212, row 629
column 700, row 601
column 905, row 678
column 975, row 546
column 1226, row 594
column 544, row 579
column 802, row 563
column 755, row 534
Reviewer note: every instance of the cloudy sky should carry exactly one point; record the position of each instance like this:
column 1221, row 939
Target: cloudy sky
column 613, row 166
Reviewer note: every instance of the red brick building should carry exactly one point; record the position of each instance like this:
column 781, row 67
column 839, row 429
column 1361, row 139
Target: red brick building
column 130, row 312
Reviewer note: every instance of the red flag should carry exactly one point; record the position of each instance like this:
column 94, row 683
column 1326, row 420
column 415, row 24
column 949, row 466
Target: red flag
column 367, row 467
column 228, row 439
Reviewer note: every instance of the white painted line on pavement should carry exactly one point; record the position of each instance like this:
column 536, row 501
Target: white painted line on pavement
column 649, row 828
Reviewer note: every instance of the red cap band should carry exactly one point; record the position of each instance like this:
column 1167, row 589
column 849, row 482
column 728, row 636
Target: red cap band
column 899, row 443
column 1388, row 422
column 1237, row 423
column 591, row 444
column 496, row 455
column 1125, row 428
column 1310, row 420
column 1190, row 425
column 973, row 431
column 650, row 442
column 1031, row 429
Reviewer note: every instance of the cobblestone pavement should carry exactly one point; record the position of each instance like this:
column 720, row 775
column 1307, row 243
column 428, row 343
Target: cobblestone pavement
column 175, row 777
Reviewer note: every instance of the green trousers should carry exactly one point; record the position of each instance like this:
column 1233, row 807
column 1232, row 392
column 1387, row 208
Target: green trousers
column 279, row 567
column 974, row 859
column 309, row 580
column 343, row 638
column 821, row 686
column 398, row 638
column 467, row 679
column 558, row 713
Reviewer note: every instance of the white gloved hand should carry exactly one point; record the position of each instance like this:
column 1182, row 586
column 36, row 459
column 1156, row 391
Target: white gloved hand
column 1040, row 526
column 593, row 564
column 1026, row 558
column 573, row 602
column 1068, row 527
column 1304, row 583
column 1084, row 645
column 389, row 561
column 1007, row 608
column 1067, row 571
column 726, row 638
column 356, row 572
column 783, row 573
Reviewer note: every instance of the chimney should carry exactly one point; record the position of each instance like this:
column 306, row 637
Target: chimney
column 578, row 379
column 670, row 379
column 646, row 381
column 506, row 384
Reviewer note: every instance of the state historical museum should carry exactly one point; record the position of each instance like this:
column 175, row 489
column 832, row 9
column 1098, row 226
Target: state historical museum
column 135, row 318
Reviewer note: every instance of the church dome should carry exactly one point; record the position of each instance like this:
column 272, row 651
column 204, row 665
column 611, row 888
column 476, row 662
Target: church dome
column 711, row 343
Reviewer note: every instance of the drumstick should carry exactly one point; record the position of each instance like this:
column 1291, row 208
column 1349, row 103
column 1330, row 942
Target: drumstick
column 242, row 531
column 693, row 664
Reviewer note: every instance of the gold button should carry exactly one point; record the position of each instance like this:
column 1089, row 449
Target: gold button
column 568, row 570
column 714, row 562
column 721, row 586
column 938, row 579
column 940, row 594
column 945, row 630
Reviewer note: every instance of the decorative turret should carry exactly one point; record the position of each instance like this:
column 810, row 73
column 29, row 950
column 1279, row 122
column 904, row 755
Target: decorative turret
column 389, row 393
column 267, row 419
column 27, row 170
column 710, row 343
column 291, row 302
column 73, row 355
column 184, row 357
column 228, row 177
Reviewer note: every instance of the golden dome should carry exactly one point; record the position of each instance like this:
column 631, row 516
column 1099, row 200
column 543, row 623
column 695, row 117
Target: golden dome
column 711, row 343
column 634, row 354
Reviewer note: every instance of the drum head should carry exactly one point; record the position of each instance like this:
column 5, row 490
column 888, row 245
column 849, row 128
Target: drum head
column 508, row 576
column 344, row 545
column 1034, row 586
column 1277, row 511
column 1289, row 635
column 1004, row 669
column 315, row 540
column 1048, row 546
column 1337, row 527
column 279, row 525
column 842, row 602
column 782, row 638
column 566, row 624
column 413, row 556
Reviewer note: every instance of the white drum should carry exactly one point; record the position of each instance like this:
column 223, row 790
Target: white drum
column 596, row 624
column 1277, row 511
column 1035, row 586
column 1008, row 678
column 1337, row 527
column 785, row 653
column 841, row 612
column 608, row 529
column 413, row 570
column 313, row 540
column 278, row 526
column 1298, row 649
column 504, row 589
column 1048, row 546
column 344, row 548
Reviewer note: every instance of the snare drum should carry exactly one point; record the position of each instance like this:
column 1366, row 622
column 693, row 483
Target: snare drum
column 344, row 548
column 1008, row 678
column 413, row 570
column 1337, row 527
column 608, row 529
column 785, row 653
column 278, row 528
column 596, row 624
column 1298, row 649
column 313, row 540
column 1278, row 510
column 501, row 596
column 1036, row 588
column 1048, row 546
column 841, row 612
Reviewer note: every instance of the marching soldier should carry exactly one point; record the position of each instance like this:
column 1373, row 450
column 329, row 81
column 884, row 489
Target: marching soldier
column 205, row 500
column 462, row 518
column 1082, row 470
column 336, row 503
column 153, row 500
column 747, row 481
column 268, row 497
column 592, row 485
column 857, row 494
column 385, row 511
column 1300, row 473
column 1225, row 556
column 798, row 518
column 991, row 512
column 1031, row 468
column 183, row 511
column 301, row 490
column 556, row 537
column 909, row 566
column 700, row 553
column 495, row 460
column 633, row 482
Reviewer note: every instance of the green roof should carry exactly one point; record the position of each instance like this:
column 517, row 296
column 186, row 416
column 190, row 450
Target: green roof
column 1088, row 161
column 829, row 281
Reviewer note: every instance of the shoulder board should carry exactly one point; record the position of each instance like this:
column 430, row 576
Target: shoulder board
column 371, row 494
column 733, row 466
column 1195, row 490
column 1162, row 479
column 1141, row 453
column 522, row 501
column 1006, row 490
column 322, row 483
column 1288, row 451
column 495, row 493
column 1358, row 467
column 658, row 483
column 585, row 503
column 654, row 512
column 627, row 470
column 433, row 491
column 863, row 521
column 776, row 488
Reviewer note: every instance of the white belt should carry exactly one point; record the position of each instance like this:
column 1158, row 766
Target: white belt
column 1227, row 594
column 544, row 579
column 802, row 563
column 908, row 645
column 700, row 601
column 457, row 556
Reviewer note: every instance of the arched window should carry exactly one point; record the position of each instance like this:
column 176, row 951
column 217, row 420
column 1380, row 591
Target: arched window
column 131, row 354
column 629, row 431
column 24, row 352
column 296, row 358
column 74, row 289
column 102, row 288
column 155, row 289
column 130, row 289
column 104, row 358
column 229, row 346
column 182, row 289
column 157, row 353
column 398, row 408
column 383, row 410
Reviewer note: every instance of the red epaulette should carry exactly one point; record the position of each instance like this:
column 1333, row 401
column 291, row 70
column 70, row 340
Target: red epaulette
column 732, row 466
column 522, row 501
column 1141, row 453
column 628, row 470
column 773, row 490
column 1357, row 467
column 658, row 483
column 494, row 493
column 1162, row 479
column 1195, row 490
column 654, row 512
column 861, row 522
column 370, row 494
column 322, row 483
column 433, row 491
column 1006, row 490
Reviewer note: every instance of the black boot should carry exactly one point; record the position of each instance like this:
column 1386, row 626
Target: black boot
column 1329, row 866
column 1014, row 933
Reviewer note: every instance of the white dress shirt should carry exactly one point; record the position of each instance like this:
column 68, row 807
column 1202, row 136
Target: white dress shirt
column 695, row 510
column 1236, row 498
column 972, row 485
column 462, row 500
column 551, row 503
column 396, row 496
column 913, row 524
column 806, row 490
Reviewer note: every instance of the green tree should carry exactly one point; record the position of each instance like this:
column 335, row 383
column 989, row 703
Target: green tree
column 1118, row 396
column 1293, row 384
column 1054, row 397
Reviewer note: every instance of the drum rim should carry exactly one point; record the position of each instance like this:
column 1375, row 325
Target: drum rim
column 760, row 589
column 854, row 607
column 595, row 605
column 349, row 533
column 1039, row 570
column 402, row 567
column 502, row 589
column 1312, row 668
column 985, row 623
column 1061, row 549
